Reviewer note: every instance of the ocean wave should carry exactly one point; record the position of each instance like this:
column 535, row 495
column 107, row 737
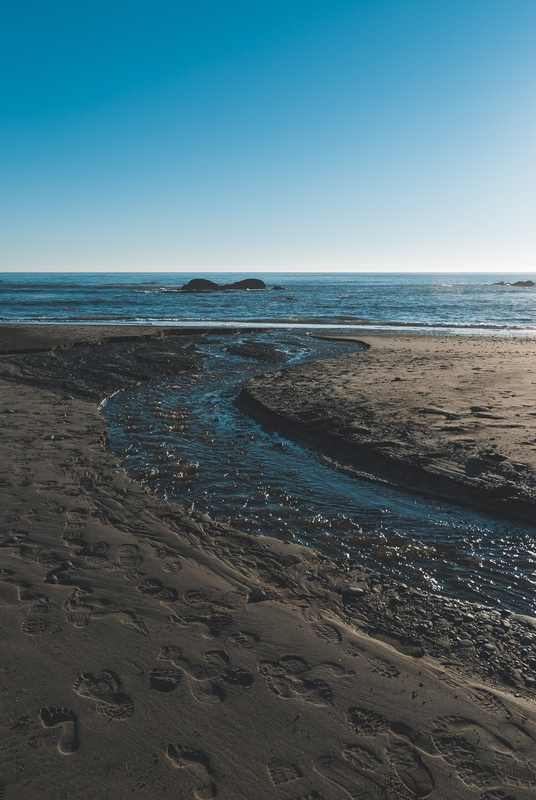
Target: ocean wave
column 441, row 328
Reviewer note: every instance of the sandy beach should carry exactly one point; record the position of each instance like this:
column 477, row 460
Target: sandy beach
column 150, row 651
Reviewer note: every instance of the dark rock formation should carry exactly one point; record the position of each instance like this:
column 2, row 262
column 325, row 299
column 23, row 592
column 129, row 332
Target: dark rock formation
column 203, row 285
column 200, row 285
column 517, row 283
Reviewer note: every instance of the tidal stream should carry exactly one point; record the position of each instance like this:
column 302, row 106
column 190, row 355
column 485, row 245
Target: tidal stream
column 188, row 441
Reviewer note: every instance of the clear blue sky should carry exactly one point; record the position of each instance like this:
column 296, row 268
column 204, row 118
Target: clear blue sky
column 268, row 135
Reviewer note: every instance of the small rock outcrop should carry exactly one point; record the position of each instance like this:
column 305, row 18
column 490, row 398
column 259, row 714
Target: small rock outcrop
column 204, row 285
column 517, row 283
column 200, row 285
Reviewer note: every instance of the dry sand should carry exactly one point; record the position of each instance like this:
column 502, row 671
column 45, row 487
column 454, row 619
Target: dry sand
column 148, row 652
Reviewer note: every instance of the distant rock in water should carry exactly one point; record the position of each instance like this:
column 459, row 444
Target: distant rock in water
column 247, row 285
column 517, row 283
column 202, row 285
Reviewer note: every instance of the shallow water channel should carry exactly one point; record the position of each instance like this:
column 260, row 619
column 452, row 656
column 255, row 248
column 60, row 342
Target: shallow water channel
column 188, row 441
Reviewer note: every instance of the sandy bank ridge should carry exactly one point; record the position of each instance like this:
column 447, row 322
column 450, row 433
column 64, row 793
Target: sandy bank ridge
column 453, row 417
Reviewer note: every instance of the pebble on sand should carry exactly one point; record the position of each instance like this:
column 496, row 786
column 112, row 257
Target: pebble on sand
column 354, row 591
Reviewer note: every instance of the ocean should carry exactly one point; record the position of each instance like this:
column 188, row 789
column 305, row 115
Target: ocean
column 457, row 303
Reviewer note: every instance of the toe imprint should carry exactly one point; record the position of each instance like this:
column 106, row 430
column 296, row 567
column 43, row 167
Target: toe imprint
column 66, row 720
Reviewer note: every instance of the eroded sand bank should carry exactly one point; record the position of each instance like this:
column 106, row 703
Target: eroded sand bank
column 450, row 416
column 148, row 652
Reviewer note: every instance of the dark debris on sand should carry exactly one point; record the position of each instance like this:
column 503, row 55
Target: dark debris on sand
column 94, row 372
column 261, row 351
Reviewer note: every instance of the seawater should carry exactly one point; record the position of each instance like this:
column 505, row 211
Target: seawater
column 422, row 302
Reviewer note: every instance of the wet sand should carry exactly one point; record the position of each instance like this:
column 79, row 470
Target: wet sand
column 149, row 651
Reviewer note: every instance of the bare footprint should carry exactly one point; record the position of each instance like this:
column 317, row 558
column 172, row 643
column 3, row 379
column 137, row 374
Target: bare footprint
column 66, row 720
column 197, row 765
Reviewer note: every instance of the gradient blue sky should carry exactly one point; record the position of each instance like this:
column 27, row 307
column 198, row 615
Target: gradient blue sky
column 298, row 135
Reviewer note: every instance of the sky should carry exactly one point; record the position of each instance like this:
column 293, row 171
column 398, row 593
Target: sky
column 371, row 135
